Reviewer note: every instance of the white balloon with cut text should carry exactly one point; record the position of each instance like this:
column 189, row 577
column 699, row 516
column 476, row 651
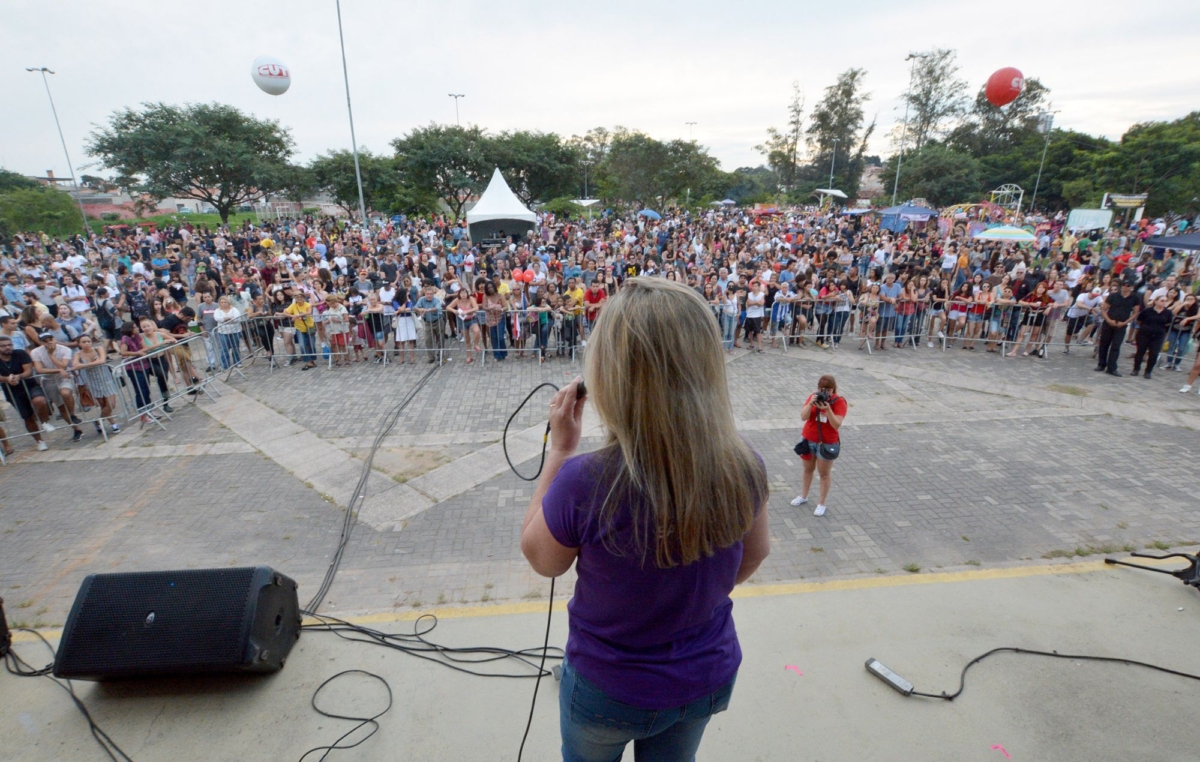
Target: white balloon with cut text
column 271, row 75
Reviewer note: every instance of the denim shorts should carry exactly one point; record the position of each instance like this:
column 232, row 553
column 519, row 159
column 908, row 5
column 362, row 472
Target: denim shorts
column 596, row 727
column 814, row 450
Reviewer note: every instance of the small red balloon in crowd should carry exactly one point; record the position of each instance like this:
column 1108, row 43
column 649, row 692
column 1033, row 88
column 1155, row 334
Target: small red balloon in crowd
column 528, row 276
column 518, row 274
column 1004, row 86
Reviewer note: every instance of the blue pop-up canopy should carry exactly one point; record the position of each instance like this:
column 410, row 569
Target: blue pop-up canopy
column 1190, row 242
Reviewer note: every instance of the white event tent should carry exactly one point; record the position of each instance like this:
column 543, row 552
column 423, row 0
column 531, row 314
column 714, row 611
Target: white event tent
column 499, row 212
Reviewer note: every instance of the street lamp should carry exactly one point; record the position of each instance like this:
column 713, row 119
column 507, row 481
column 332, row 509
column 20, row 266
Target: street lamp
column 691, row 127
column 456, row 96
column 586, row 163
column 1044, row 125
column 832, row 160
column 70, row 168
column 912, row 70
column 362, row 205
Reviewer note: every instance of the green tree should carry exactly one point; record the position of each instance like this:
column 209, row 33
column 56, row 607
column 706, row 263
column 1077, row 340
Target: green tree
column 782, row 147
column 989, row 129
column 333, row 173
column 298, row 183
column 836, row 135
column 937, row 97
column 638, row 168
column 1158, row 158
column 37, row 209
column 593, row 145
column 938, row 174
column 634, row 167
column 538, row 166
column 13, row 181
column 208, row 152
column 448, row 161
column 563, row 207
column 751, row 185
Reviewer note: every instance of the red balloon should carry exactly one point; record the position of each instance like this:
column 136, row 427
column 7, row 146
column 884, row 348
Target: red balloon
column 1004, row 86
column 518, row 274
column 528, row 276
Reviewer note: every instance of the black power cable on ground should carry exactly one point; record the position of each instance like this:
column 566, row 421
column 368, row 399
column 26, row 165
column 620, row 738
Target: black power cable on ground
column 21, row 668
column 906, row 688
column 360, row 491
column 467, row 660
column 372, row 721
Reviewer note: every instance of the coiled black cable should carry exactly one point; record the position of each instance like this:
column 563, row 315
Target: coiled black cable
column 545, row 437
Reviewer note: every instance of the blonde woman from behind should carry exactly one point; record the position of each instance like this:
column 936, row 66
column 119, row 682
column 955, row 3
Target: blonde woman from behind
column 661, row 523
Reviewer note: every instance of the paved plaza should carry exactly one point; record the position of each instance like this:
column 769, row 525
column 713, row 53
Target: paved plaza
column 951, row 460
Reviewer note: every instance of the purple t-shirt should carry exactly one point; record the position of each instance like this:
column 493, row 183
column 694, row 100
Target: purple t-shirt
column 649, row 637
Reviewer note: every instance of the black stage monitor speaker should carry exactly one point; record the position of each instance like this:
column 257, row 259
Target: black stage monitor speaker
column 195, row 621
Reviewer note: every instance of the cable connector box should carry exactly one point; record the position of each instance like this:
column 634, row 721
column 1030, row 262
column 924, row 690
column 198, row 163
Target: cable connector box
column 875, row 667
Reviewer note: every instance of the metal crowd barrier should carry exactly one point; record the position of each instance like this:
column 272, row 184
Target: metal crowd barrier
column 53, row 404
column 173, row 370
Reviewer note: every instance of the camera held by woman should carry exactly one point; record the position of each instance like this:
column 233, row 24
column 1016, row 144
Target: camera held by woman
column 823, row 413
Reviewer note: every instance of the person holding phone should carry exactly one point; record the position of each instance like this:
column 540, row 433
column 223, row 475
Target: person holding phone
column 823, row 414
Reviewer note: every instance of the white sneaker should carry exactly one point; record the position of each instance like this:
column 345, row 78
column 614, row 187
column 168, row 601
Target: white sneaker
column 1186, row 389
column 941, row 334
column 820, row 511
column 42, row 446
column 48, row 427
column 799, row 500
column 930, row 344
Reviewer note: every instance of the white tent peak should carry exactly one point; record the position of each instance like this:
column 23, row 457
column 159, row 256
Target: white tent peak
column 498, row 202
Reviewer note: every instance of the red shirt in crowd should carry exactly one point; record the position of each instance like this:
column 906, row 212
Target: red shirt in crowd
column 824, row 433
column 593, row 298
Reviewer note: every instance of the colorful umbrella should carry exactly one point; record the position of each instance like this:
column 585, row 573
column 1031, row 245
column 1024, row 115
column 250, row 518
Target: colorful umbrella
column 1006, row 233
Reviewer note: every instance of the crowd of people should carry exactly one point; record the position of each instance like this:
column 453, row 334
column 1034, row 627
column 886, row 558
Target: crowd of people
column 163, row 303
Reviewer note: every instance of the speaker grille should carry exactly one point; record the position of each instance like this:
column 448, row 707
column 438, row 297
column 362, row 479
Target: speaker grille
column 138, row 622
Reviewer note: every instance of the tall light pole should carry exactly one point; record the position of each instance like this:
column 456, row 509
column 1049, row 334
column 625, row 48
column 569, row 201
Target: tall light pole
column 1045, row 124
column 586, row 163
column 456, row 96
column 362, row 205
column 832, row 160
column 912, row 70
column 691, row 128
column 70, row 168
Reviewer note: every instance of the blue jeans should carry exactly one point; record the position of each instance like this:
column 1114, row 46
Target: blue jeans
column 728, row 329
column 1178, row 347
column 308, row 353
column 901, row 328
column 496, row 334
column 231, row 353
column 141, row 388
column 596, row 728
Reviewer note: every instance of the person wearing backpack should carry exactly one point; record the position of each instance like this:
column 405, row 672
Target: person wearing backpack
column 107, row 319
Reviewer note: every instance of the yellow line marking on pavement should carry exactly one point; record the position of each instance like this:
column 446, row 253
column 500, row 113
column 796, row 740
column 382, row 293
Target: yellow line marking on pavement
column 749, row 591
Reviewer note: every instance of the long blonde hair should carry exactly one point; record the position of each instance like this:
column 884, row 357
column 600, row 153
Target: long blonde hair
column 655, row 372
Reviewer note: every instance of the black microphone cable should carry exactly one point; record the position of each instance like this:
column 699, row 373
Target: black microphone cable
column 580, row 393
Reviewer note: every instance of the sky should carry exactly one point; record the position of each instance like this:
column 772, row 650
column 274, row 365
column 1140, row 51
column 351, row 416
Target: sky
column 566, row 67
